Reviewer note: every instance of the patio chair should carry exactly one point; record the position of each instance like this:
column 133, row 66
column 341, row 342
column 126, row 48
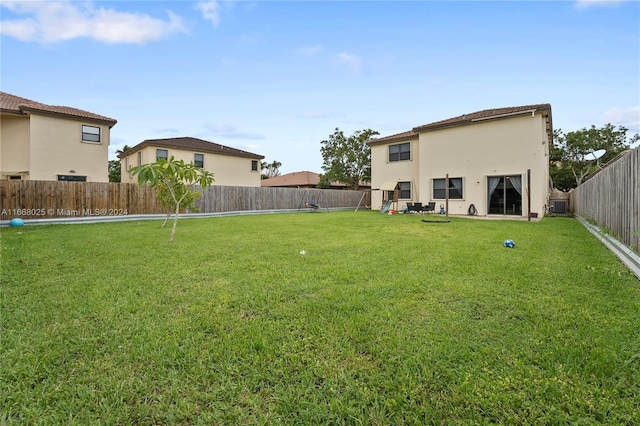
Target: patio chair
column 431, row 207
column 409, row 207
column 417, row 207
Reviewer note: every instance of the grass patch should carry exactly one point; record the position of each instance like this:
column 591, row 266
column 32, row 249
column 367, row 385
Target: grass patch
column 385, row 320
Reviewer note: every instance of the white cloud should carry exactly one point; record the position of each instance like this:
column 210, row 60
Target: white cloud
column 627, row 117
column 585, row 4
column 351, row 61
column 56, row 21
column 210, row 11
column 308, row 51
column 314, row 114
column 229, row 132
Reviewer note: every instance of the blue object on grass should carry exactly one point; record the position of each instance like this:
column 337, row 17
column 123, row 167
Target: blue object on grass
column 17, row 222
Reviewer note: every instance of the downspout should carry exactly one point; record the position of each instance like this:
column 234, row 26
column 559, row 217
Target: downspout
column 446, row 192
column 529, row 195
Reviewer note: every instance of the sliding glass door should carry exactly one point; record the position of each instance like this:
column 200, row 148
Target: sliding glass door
column 505, row 195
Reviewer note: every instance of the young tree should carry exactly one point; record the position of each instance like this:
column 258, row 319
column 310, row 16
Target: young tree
column 347, row 159
column 270, row 170
column 180, row 191
column 175, row 181
column 571, row 158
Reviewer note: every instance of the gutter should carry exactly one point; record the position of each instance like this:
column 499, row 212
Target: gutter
column 532, row 111
column 630, row 258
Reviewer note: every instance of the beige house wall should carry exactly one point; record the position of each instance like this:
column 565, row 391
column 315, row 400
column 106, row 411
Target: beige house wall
column 383, row 170
column 14, row 146
column 499, row 147
column 502, row 147
column 57, row 149
column 227, row 169
column 48, row 146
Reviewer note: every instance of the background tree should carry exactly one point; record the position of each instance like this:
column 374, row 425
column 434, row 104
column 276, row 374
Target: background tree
column 270, row 170
column 114, row 170
column 175, row 181
column 323, row 182
column 114, row 166
column 123, row 150
column 571, row 158
column 347, row 159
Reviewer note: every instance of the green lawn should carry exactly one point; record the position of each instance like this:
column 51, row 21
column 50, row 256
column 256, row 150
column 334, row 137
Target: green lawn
column 384, row 320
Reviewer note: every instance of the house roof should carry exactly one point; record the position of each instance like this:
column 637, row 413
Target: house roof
column 16, row 105
column 399, row 137
column 301, row 179
column 191, row 144
column 487, row 114
column 471, row 118
column 293, row 179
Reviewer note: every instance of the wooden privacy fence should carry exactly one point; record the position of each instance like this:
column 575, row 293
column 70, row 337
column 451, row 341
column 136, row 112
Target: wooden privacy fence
column 611, row 198
column 33, row 199
column 242, row 198
column 39, row 199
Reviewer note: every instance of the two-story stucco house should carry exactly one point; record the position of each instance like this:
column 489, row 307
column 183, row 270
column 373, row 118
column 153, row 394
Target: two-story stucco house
column 496, row 160
column 48, row 142
column 231, row 166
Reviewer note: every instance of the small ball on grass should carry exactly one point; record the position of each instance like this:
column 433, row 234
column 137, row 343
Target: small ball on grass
column 16, row 222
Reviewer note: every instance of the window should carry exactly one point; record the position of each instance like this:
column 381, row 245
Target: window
column 72, row 178
column 405, row 190
column 139, row 158
column 400, row 152
column 198, row 160
column 455, row 189
column 162, row 153
column 90, row 133
column 254, row 165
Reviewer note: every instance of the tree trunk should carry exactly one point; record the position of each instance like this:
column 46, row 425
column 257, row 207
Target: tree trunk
column 175, row 223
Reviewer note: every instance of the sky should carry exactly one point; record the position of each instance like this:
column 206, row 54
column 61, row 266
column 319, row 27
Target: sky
column 276, row 78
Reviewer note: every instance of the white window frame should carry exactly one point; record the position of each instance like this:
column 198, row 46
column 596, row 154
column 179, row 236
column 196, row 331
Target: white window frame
column 195, row 161
column 433, row 188
column 165, row 150
column 400, row 190
column 89, row 134
column 399, row 153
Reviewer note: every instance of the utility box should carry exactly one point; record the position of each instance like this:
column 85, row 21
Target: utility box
column 559, row 206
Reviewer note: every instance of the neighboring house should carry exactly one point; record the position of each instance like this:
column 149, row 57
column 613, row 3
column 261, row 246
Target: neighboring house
column 497, row 160
column 49, row 142
column 293, row 180
column 230, row 166
column 303, row 180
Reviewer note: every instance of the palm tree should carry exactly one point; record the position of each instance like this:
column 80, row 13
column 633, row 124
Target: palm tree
column 123, row 150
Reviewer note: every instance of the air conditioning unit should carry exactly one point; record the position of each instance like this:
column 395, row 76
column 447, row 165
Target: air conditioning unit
column 559, row 206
